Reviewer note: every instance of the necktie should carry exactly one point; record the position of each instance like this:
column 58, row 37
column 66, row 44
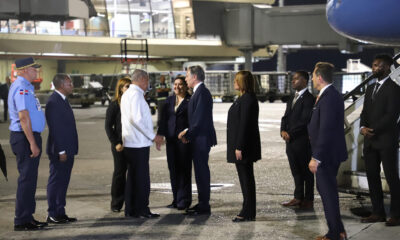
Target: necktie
column 296, row 96
column 375, row 90
column 66, row 100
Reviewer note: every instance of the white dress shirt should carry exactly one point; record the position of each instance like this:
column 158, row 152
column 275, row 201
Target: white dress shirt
column 137, row 126
column 196, row 87
column 301, row 92
column 62, row 95
column 323, row 89
column 381, row 82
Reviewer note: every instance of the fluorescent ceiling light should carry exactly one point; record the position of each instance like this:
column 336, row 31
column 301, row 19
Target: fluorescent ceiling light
column 58, row 54
column 292, row 46
column 243, row 60
column 181, row 59
column 262, row 6
column 128, row 56
column 181, row 4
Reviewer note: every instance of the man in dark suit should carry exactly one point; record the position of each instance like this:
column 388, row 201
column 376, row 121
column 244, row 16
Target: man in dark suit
column 62, row 146
column 379, row 126
column 298, row 149
column 201, row 134
column 328, row 145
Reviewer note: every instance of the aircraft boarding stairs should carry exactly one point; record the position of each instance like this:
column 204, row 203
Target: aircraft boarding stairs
column 352, row 176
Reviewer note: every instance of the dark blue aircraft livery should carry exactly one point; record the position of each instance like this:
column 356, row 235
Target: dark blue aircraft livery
column 373, row 21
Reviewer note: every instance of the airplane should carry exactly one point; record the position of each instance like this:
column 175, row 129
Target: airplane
column 368, row 21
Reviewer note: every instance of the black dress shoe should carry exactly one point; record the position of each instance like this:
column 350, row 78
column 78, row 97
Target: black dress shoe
column 182, row 207
column 393, row 222
column 172, row 205
column 198, row 212
column 39, row 224
column 192, row 209
column 131, row 215
column 56, row 220
column 242, row 219
column 69, row 219
column 27, row 227
column 116, row 210
column 149, row 215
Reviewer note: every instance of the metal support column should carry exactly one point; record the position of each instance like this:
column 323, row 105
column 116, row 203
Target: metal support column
column 281, row 60
column 248, row 53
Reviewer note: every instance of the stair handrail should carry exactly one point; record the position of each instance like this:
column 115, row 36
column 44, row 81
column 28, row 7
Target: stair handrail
column 358, row 88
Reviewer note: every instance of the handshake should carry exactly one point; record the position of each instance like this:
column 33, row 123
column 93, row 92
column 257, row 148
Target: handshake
column 159, row 140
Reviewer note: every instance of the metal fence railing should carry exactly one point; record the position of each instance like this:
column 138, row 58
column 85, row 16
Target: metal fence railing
column 270, row 86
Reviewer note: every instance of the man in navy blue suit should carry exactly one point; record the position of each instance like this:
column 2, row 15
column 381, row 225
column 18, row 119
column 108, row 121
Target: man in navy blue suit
column 328, row 146
column 62, row 146
column 201, row 134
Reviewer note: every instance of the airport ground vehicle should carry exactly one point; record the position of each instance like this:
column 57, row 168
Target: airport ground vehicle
column 85, row 92
column 79, row 96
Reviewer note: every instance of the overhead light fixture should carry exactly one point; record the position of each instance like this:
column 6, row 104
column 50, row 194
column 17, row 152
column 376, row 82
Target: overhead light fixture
column 181, row 4
column 58, row 54
column 292, row 46
column 128, row 56
column 239, row 60
column 262, row 6
column 181, row 59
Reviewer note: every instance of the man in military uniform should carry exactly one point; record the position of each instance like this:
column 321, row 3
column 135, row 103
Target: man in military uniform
column 27, row 121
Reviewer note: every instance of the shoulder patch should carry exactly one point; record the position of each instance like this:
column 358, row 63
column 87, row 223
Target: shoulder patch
column 23, row 92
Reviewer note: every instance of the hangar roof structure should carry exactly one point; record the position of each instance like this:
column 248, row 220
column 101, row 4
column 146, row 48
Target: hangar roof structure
column 219, row 29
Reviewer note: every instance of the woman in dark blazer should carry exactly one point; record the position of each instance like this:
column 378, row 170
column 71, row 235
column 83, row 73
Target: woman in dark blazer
column 114, row 133
column 174, row 119
column 243, row 141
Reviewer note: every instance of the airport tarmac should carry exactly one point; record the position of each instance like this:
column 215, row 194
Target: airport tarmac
column 89, row 192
